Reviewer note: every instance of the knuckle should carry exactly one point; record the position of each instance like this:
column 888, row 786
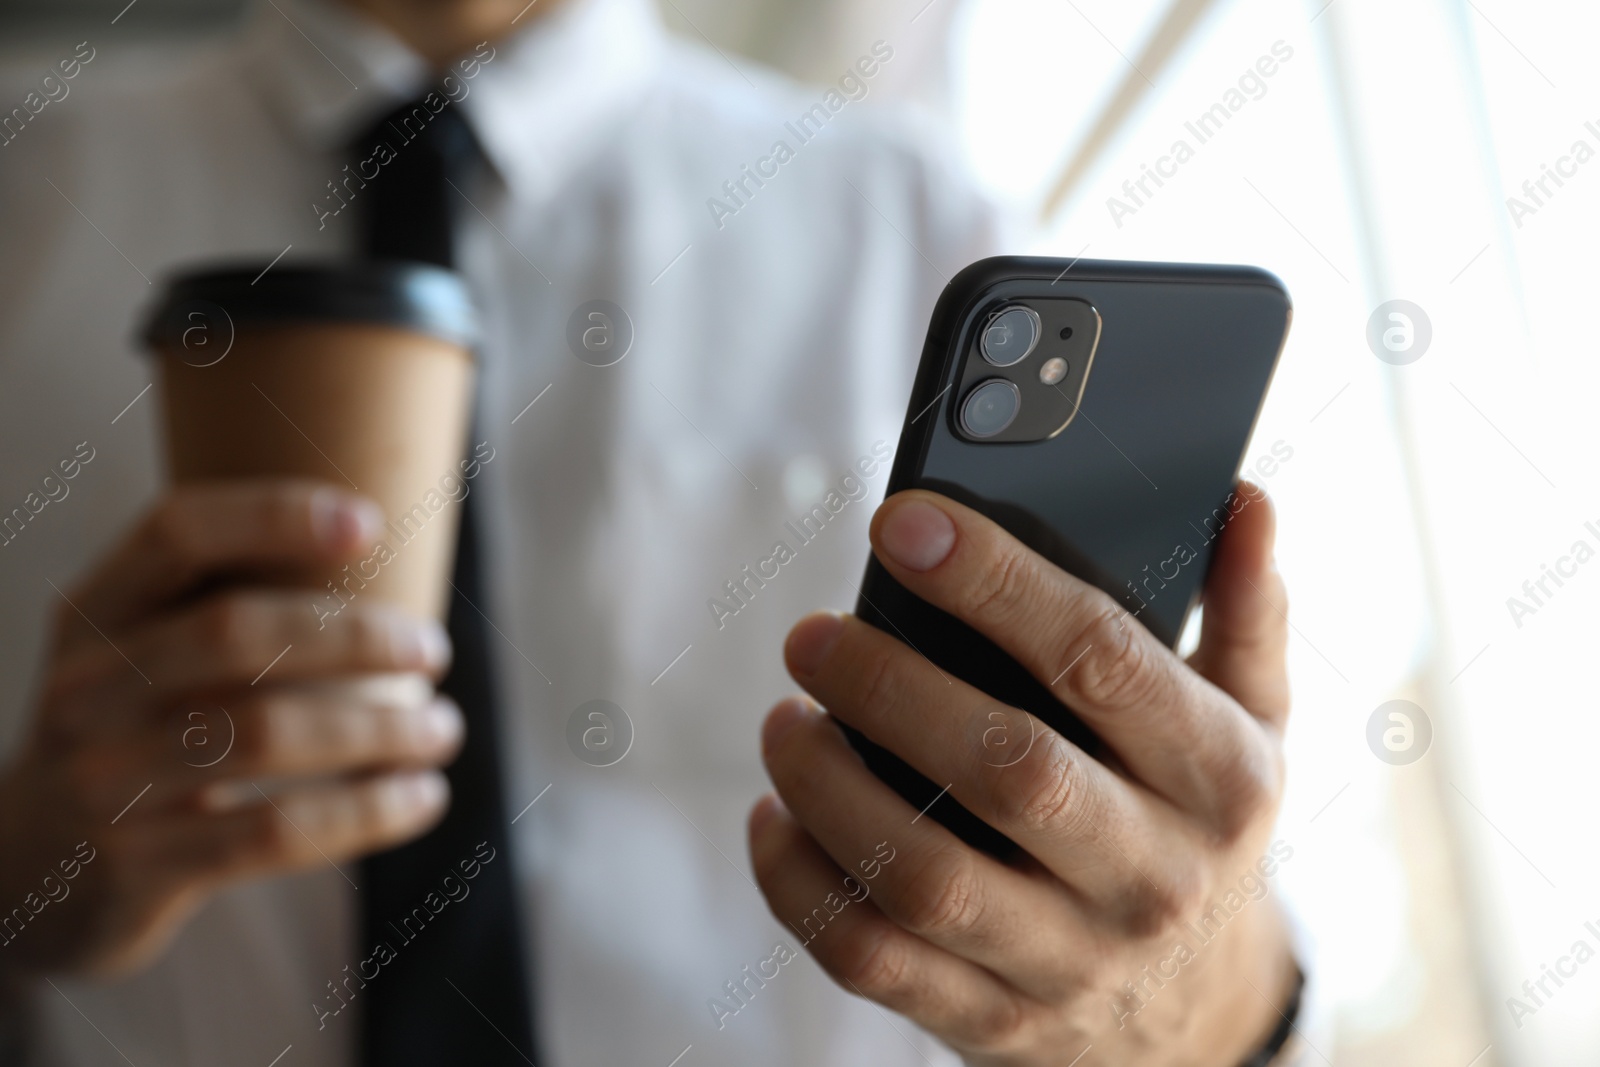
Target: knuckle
column 371, row 636
column 1041, row 793
column 252, row 735
column 879, row 678
column 171, row 538
column 384, row 728
column 271, row 836
column 267, row 729
column 1249, row 791
column 379, row 810
column 1257, row 644
column 366, row 728
column 230, row 627
column 880, row 967
column 945, row 897
column 999, row 588
column 1155, row 909
column 342, row 728
column 788, row 763
column 1001, row 1025
column 1113, row 673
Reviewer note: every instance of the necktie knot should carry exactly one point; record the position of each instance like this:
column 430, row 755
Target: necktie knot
column 422, row 152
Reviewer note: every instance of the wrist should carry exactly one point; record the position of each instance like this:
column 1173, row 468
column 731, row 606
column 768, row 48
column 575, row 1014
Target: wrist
column 1265, row 999
column 1250, row 984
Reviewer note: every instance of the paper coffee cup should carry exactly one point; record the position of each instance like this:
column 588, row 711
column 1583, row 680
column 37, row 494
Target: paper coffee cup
column 358, row 375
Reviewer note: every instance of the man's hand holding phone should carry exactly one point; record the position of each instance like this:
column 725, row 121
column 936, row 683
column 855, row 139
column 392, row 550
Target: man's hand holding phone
column 1026, row 962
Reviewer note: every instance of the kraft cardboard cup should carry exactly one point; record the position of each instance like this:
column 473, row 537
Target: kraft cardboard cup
column 358, row 375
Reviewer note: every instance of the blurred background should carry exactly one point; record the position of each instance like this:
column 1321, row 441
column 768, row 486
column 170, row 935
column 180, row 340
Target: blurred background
column 1367, row 151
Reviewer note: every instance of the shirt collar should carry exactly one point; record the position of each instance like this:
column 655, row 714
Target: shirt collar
column 550, row 95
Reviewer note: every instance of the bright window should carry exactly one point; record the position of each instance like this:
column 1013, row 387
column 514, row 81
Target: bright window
column 1373, row 163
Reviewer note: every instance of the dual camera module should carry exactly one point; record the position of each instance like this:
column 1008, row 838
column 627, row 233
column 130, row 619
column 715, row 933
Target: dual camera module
column 1026, row 369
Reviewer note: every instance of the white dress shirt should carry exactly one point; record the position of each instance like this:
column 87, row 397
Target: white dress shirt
column 773, row 349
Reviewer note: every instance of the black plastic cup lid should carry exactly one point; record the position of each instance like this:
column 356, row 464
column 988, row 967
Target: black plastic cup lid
column 202, row 308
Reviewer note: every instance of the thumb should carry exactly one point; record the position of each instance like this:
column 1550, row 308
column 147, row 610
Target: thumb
column 1244, row 631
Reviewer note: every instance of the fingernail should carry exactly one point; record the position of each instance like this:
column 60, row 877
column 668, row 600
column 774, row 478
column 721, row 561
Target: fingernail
column 421, row 643
column 339, row 519
column 444, row 722
column 811, row 640
column 780, row 720
column 917, row 535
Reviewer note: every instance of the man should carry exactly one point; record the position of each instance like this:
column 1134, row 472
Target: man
column 774, row 299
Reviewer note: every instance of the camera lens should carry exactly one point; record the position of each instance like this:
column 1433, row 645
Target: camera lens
column 1011, row 335
column 990, row 408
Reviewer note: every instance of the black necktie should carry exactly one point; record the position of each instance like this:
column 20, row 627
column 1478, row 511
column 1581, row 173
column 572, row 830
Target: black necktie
column 455, row 989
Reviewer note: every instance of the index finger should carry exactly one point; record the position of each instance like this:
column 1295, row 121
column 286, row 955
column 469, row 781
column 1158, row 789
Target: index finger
column 1244, row 632
column 208, row 528
column 1174, row 731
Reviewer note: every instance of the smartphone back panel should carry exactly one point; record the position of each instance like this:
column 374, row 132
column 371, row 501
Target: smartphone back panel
column 1129, row 496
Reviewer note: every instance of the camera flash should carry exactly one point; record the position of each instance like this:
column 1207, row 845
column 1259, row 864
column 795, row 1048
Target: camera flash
column 1053, row 370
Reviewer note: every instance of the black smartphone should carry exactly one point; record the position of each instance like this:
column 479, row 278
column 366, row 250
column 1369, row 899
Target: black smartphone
column 1099, row 411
